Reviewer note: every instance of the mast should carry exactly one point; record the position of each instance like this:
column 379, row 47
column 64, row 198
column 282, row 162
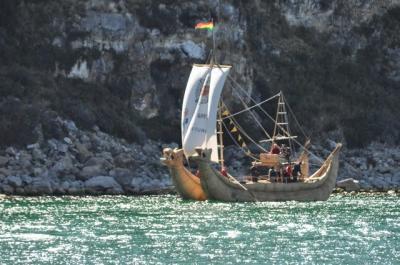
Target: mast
column 220, row 136
column 219, row 119
column 213, row 40
column 281, row 128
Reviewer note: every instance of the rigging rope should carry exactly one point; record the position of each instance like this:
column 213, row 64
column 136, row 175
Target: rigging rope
column 269, row 116
column 243, row 131
column 249, row 108
column 249, row 154
column 254, row 116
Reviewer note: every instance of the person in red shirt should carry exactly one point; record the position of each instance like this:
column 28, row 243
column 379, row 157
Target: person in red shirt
column 224, row 172
column 289, row 171
column 275, row 149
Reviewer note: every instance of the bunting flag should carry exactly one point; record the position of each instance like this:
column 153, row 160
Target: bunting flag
column 205, row 25
column 235, row 132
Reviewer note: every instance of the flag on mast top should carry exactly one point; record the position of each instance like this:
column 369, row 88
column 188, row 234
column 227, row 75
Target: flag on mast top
column 205, row 25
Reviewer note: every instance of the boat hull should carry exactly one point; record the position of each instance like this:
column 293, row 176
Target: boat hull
column 317, row 187
column 187, row 184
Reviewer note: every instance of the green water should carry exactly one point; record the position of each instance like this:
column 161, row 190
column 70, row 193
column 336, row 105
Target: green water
column 166, row 230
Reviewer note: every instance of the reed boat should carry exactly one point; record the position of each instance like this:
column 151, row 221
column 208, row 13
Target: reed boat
column 187, row 184
column 316, row 187
column 206, row 119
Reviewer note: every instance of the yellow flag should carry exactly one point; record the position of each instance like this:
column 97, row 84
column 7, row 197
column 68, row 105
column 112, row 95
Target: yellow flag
column 239, row 137
column 225, row 113
column 243, row 144
column 234, row 129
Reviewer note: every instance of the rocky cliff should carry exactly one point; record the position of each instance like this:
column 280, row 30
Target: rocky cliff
column 121, row 66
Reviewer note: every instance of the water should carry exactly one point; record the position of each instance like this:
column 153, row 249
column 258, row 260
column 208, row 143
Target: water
column 358, row 229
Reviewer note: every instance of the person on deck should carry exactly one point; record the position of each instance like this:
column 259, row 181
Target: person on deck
column 285, row 176
column 272, row 175
column 224, row 172
column 288, row 171
column 279, row 171
column 275, row 149
column 296, row 173
column 285, row 152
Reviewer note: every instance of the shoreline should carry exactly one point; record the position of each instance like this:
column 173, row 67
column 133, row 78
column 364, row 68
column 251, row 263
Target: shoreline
column 95, row 163
column 171, row 191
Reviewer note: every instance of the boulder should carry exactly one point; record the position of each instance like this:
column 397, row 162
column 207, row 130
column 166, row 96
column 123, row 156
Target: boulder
column 25, row 160
column 124, row 160
column 14, row 181
column 91, row 171
column 83, row 153
column 379, row 183
column 65, row 185
column 383, row 168
column 123, row 176
column 103, row 185
column 64, row 165
column 349, row 184
column 26, row 180
column 5, row 171
column 98, row 161
column 39, row 186
column 38, row 155
column 137, row 184
column 62, row 148
column 150, row 149
column 70, row 126
column 11, row 151
column 3, row 161
column 193, row 50
column 6, row 189
column 19, row 191
column 69, row 177
column 37, row 171
column 67, row 140
column 76, row 188
column 396, row 178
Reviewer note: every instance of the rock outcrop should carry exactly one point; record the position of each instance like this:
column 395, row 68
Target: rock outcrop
column 83, row 163
column 348, row 185
column 122, row 65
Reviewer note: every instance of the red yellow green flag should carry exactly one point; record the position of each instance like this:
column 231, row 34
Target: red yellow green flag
column 205, row 25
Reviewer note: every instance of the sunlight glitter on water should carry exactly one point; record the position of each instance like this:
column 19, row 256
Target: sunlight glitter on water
column 166, row 229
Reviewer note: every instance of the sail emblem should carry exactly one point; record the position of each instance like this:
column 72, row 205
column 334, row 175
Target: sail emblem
column 206, row 90
column 185, row 115
column 203, row 94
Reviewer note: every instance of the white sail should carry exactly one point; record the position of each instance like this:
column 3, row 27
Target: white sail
column 218, row 77
column 192, row 92
column 202, row 126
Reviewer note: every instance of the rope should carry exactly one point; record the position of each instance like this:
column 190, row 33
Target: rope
column 249, row 154
column 249, row 108
column 255, row 118
column 247, row 136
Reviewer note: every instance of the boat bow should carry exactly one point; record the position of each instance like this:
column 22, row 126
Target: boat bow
column 186, row 183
